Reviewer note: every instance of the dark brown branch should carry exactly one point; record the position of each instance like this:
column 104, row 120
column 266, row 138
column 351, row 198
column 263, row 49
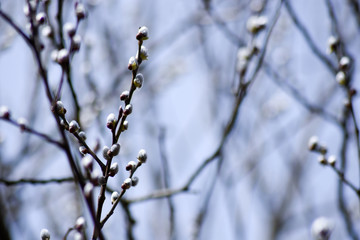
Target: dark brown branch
column 36, row 181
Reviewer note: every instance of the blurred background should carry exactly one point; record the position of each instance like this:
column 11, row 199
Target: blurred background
column 233, row 91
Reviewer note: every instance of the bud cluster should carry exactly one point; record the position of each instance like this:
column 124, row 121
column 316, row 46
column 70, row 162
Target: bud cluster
column 315, row 146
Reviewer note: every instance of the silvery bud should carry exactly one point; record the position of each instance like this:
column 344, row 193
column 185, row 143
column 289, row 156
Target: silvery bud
column 313, row 143
column 80, row 10
column 344, row 63
column 44, row 234
column 106, row 153
column 144, row 53
column 128, row 109
column 143, row 34
column 73, row 126
column 83, row 150
column 114, row 197
column 111, row 121
column 60, row 109
column 341, row 78
column 87, row 162
column 321, row 228
column 82, row 135
column 80, row 223
column 332, row 44
column 114, row 150
column 134, row 181
column 22, row 123
column 75, row 42
column 62, row 56
column 125, row 126
column 130, row 166
column 40, row 18
column 322, row 160
column 332, row 160
column 69, row 29
column 88, row 189
column 4, row 112
column 124, row 95
column 138, row 80
column 256, row 23
column 114, row 169
column 126, row 184
column 133, row 64
column 142, row 156
column 46, row 31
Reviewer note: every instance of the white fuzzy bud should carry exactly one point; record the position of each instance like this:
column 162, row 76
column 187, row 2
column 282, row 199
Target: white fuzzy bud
column 114, row 169
column 138, row 80
column 83, row 150
column 26, row 10
column 73, row 126
column 69, row 29
column 134, row 181
column 87, row 162
column 22, row 123
column 341, row 78
column 78, row 236
column 128, row 109
column 88, row 189
column 111, row 121
column 80, row 11
column 130, row 166
column 124, row 95
column 126, row 184
column 125, row 126
column 344, row 62
column 313, row 143
column 114, row 197
column 322, row 160
column 80, row 223
column 82, row 135
column 144, row 53
column 46, row 31
column 133, row 64
column 106, row 153
column 114, row 150
column 256, row 23
column 59, row 108
column 332, row 160
column 321, row 228
column 142, row 156
column 44, row 234
column 75, row 42
column 40, row 18
column 62, row 56
column 4, row 112
column 332, row 44
column 143, row 34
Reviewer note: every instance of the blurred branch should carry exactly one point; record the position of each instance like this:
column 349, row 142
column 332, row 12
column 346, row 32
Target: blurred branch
column 34, row 132
column 298, row 96
column 241, row 93
column 164, row 193
column 15, row 27
column 340, row 194
column 355, row 6
column 166, row 178
column 308, row 38
column 200, row 217
column 36, row 181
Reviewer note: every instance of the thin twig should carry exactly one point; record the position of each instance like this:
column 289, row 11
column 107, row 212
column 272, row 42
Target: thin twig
column 308, row 38
column 35, row 181
column 34, row 132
